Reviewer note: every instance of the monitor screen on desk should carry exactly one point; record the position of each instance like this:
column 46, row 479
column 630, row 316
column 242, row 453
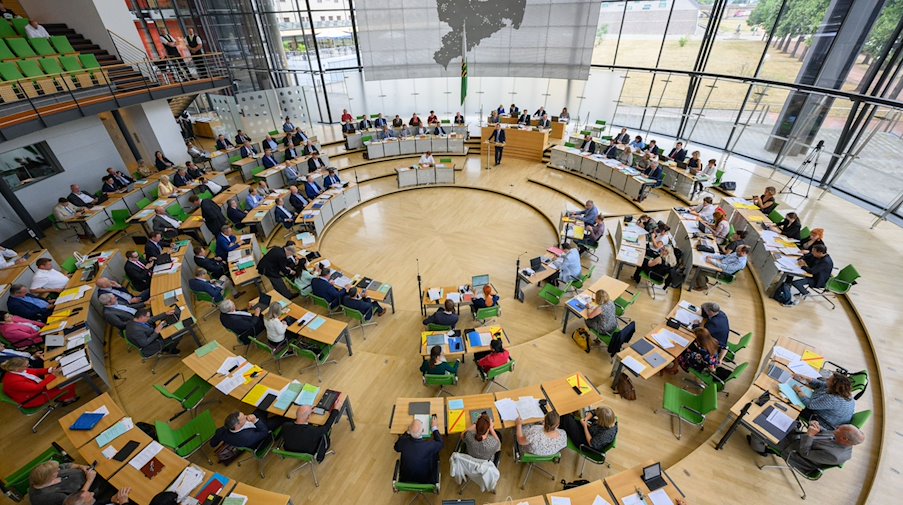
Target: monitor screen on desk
column 479, row 281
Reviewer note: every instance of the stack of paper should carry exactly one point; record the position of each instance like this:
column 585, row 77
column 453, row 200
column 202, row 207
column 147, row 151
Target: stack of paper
column 235, row 499
column 785, row 354
column 111, row 433
column 660, row 497
column 231, row 363
column 146, row 455
column 633, row 364
column 229, row 384
column 74, row 363
column 804, row 369
column 434, row 294
column 686, row 317
column 72, row 294
column 308, row 395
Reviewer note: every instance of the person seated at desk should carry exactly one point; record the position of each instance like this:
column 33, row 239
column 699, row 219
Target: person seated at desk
column 287, row 125
column 236, row 216
column 380, row 121
column 268, row 160
column 564, row 116
column 143, row 171
column 165, row 188
column 52, row 483
column 652, row 147
column 226, row 241
column 831, row 402
column 484, row 300
column 524, row 118
column 438, row 129
column 109, row 185
column 155, row 245
column 19, row 331
column 193, row 170
column 305, row 276
column 702, row 354
column 638, row 145
column 819, row 265
column 79, row 199
column 311, row 188
column 315, row 163
column 695, row 162
column 223, row 144
column 64, row 210
column 138, row 273
column 545, row 440
column 588, row 145
column 660, row 234
column 290, row 153
column 358, row 301
column 296, row 199
column 247, row 150
column 28, row 386
column 9, row 257
column 598, row 429
column 816, row 237
column 480, row 439
column 592, row 235
column 269, row 142
column 437, row 364
column 459, row 119
column 720, row 227
column 588, row 214
column 299, row 137
column 419, row 457
column 730, row 264
column 647, row 223
column 216, row 267
column 415, row 121
column 513, row 111
column 426, row 160
column 253, row 199
column 602, row 317
column 245, row 430
column 495, row 357
column 738, row 239
column 196, row 153
column 444, row 316
column 213, row 187
column 621, row 138
column 707, row 174
column 241, row 137
column 766, row 201
column 365, row 123
column 348, row 127
column 816, row 449
column 106, row 285
column 165, row 224
column 162, row 162
column 310, row 148
column 274, row 324
column 716, row 321
column 241, row 323
column 202, row 283
column 626, row 156
column 500, row 111
column 644, row 160
column 324, row 289
column 116, row 312
column 282, row 215
column 386, row 133
column 46, row 280
column 705, row 210
column 397, row 122
column 23, row 304
column 791, row 227
column 658, row 267
column 181, row 178
column 332, row 178
column 678, row 153
column 544, row 123
column 568, row 265
column 302, row 437
column 540, row 112
column 35, row 360
column 654, row 172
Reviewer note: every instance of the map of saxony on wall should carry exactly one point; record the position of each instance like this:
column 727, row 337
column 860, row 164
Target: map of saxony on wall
column 504, row 38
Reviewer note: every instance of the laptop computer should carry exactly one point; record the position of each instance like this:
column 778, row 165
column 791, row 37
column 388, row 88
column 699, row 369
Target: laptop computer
column 652, row 476
column 478, row 282
column 175, row 317
column 163, row 259
column 536, row 264
column 55, row 340
column 263, row 303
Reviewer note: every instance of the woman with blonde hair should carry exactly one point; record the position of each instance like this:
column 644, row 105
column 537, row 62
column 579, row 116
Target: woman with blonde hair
column 597, row 429
column 626, row 156
column 274, row 324
column 50, row 483
column 28, row 386
column 544, row 440
column 165, row 188
column 602, row 317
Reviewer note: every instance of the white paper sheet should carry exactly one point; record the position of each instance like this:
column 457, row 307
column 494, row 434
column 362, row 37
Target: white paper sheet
column 632, row 499
column 783, row 353
column 600, row 501
column 663, row 339
column 660, row 497
column 76, row 367
column 230, row 362
column 507, row 409
column 634, row 365
column 454, row 297
column 779, row 420
column 561, row 500
column 229, row 384
column 686, row 317
column 528, row 407
column 804, row 369
column 69, row 358
column 103, row 409
column 146, row 455
column 109, row 452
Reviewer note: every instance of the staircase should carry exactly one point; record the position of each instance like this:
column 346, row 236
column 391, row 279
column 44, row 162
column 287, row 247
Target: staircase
column 180, row 103
column 122, row 78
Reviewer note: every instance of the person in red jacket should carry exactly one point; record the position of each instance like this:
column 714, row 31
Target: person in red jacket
column 28, row 386
column 497, row 356
column 20, row 332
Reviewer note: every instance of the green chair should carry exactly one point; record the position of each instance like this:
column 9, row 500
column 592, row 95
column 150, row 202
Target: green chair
column 5, row 53
column 6, row 29
column 120, row 222
column 776, row 217
column 687, row 407
column 15, row 485
column 398, row 486
column 733, row 349
column 256, row 170
column 320, row 360
column 438, row 327
column 277, row 354
column 578, row 283
column 206, row 195
column 274, row 133
column 859, row 382
column 42, row 47
column 652, row 282
column 260, row 452
column 710, row 380
column 366, row 138
column 860, row 418
column 532, row 460
column 489, row 377
column 32, row 71
column 356, row 315
column 73, row 65
column 188, row 395
column 553, row 295
column 304, row 458
column 731, row 233
column 45, row 410
column 587, row 453
column 70, row 265
column 622, row 304
column 186, row 440
column 805, row 233
column 839, row 284
column 177, row 212
column 487, row 314
column 202, row 297
column 719, row 174
column 570, row 144
column 62, row 45
column 155, row 193
column 321, row 302
column 144, row 202
column 448, row 379
column 19, row 25
column 721, row 279
column 89, row 61
column 20, row 47
column 445, row 161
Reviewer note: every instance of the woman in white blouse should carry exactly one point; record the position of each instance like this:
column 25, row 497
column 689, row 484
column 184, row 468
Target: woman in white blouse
column 274, row 324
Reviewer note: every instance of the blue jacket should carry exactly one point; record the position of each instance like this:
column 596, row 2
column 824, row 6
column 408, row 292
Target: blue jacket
column 322, row 288
column 297, row 202
column 269, row 161
column 250, row 438
column 331, row 179
column 419, row 458
column 253, row 201
column 312, row 189
column 203, row 286
column 284, row 216
column 247, row 152
column 225, row 244
column 22, row 307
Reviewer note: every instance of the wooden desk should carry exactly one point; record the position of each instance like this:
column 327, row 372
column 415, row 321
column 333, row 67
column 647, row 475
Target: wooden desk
column 425, row 348
column 206, row 366
column 496, row 332
column 383, row 293
column 649, row 370
column 80, row 438
column 565, row 400
column 515, row 394
column 144, row 489
column 257, row 496
column 628, row 482
column 275, row 382
column 537, row 277
column 472, row 403
column 466, row 299
column 630, row 242
column 400, row 419
column 610, row 285
column 533, row 500
column 108, row 467
column 521, row 144
column 583, row 495
column 329, row 333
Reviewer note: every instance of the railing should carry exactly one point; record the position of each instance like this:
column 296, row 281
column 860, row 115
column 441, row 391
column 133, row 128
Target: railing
column 38, row 97
column 127, row 52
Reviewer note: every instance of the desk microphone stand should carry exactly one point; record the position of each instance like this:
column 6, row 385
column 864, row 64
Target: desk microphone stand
column 517, row 276
column 811, row 162
column 420, row 288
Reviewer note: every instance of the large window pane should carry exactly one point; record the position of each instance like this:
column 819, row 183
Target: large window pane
column 632, row 103
column 759, row 117
column 686, row 28
column 666, row 102
column 608, row 31
column 714, row 111
column 873, row 175
column 792, row 37
column 738, row 45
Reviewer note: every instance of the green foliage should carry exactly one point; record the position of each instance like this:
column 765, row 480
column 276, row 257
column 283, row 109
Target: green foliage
column 884, row 27
column 601, row 32
column 764, row 14
column 801, row 17
column 683, row 41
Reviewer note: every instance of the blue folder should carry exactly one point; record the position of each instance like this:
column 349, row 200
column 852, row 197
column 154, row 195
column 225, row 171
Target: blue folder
column 86, row 421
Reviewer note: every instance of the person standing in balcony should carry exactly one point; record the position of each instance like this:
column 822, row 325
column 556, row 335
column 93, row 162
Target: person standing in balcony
column 173, row 56
column 196, row 47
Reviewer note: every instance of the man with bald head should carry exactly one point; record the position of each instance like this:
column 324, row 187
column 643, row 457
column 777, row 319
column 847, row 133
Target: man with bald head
column 109, row 286
column 817, row 448
column 301, row 436
column 419, row 456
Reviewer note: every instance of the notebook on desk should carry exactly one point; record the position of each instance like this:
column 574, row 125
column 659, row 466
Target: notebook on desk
column 642, row 346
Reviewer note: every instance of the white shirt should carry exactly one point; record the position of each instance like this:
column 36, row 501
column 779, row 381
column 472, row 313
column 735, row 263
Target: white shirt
column 174, row 222
column 427, row 160
column 275, row 329
column 49, row 279
column 9, row 258
column 213, row 187
column 36, row 33
column 85, row 197
column 28, row 376
column 706, row 211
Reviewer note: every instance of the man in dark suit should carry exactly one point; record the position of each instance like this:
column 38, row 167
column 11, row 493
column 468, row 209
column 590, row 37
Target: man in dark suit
column 397, row 122
column 444, row 316
column 241, row 138
column 332, row 178
column 678, row 154
column 165, row 224
column 153, row 248
column 144, row 332
column 106, row 285
column 137, row 272
column 588, row 145
column 201, row 283
column 246, row 431
column 120, row 179
column 115, row 312
column 348, row 127
column 299, row 138
column 296, row 199
column 282, row 214
column 23, row 304
column 818, row 264
column 621, row 138
column 268, row 160
column 247, row 150
column 544, row 122
column 524, row 119
column 365, row 123
column 302, row 437
column 355, row 300
column 380, row 121
column 498, row 136
column 109, row 185
column 226, row 241
column 79, row 199
column 310, row 148
column 194, row 172
column 275, row 264
column 420, row 456
column 211, row 212
column 235, row 214
column 315, row 162
column 243, row 324
column 311, row 188
column 290, row 151
column 224, row 144
column 322, row 288
column 215, row 267
column 181, row 178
